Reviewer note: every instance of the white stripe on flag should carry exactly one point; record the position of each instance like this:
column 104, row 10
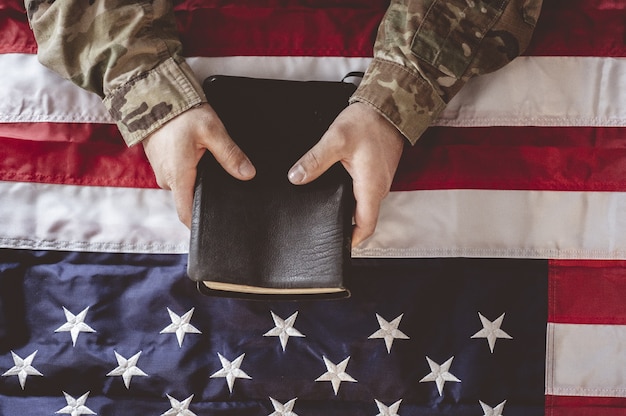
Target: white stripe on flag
column 498, row 223
column 544, row 91
column 586, row 360
column 540, row 91
column 32, row 93
column 442, row 223
column 84, row 218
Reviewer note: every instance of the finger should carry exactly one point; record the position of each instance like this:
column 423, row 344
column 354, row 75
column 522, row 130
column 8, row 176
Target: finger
column 365, row 213
column 183, row 196
column 231, row 157
column 314, row 162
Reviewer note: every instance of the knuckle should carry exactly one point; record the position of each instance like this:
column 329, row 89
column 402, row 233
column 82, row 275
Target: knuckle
column 168, row 180
column 368, row 224
column 230, row 153
column 183, row 217
column 160, row 183
column 383, row 192
column 311, row 160
column 163, row 179
column 336, row 142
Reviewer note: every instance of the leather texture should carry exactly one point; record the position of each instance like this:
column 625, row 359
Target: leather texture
column 267, row 233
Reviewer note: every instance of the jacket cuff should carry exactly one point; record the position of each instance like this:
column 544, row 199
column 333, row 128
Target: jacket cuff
column 148, row 101
column 403, row 97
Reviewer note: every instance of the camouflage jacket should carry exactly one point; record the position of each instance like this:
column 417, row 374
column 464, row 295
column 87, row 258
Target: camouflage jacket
column 129, row 53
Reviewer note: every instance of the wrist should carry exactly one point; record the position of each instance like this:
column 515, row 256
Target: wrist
column 146, row 103
column 403, row 98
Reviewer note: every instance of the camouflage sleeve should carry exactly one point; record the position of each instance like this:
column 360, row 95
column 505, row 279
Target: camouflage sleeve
column 126, row 51
column 426, row 50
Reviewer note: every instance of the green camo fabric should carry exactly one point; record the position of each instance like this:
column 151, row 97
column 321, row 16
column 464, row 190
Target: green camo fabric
column 129, row 53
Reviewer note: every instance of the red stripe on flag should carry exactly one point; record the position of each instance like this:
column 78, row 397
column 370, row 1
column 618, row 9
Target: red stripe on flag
column 103, row 160
column 16, row 35
column 587, row 292
column 291, row 30
column 61, row 132
column 585, row 406
column 342, row 27
column 580, row 28
column 518, row 158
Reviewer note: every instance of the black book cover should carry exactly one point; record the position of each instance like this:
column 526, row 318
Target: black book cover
column 267, row 236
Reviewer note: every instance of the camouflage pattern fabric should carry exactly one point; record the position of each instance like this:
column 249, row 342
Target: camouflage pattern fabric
column 426, row 51
column 129, row 53
column 126, row 51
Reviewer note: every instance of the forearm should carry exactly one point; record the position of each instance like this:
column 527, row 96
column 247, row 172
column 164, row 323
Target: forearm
column 127, row 52
column 426, row 50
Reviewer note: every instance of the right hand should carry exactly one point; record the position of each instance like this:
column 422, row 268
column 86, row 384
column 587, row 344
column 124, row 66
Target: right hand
column 175, row 149
column 369, row 147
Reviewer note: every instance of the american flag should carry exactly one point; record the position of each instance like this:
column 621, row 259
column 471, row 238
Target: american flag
column 495, row 283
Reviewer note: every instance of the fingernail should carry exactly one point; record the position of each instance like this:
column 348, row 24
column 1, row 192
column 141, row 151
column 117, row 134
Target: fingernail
column 296, row 174
column 246, row 169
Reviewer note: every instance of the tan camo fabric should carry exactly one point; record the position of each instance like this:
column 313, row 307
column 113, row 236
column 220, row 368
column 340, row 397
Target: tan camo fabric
column 129, row 53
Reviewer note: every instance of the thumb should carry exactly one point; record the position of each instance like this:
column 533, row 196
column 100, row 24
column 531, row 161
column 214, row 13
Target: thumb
column 230, row 156
column 314, row 162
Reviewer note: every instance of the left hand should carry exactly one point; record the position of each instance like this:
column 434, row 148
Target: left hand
column 175, row 149
column 369, row 147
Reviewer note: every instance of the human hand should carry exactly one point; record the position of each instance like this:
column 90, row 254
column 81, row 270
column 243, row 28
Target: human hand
column 369, row 147
column 175, row 149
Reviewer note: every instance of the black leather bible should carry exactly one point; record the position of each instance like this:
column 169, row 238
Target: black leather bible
column 267, row 237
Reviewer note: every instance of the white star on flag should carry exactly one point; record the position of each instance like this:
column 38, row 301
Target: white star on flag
column 231, row 371
column 495, row 411
column 179, row 408
column 22, row 368
column 388, row 411
column 283, row 409
column 491, row 331
column 283, row 329
column 439, row 374
column 75, row 324
column 127, row 368
column 389, row 331
column 180, row 326
column 336, row 373
column 76, row 407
